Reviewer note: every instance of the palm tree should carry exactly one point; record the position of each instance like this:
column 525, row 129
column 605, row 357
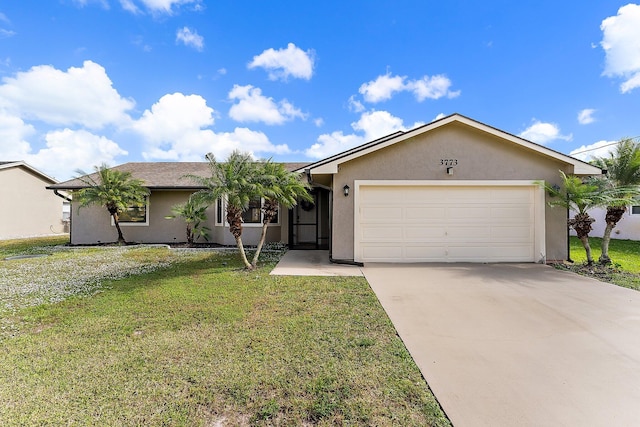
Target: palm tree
column 623, row 172
column 235, row 181
column 194, row 216
column 280, row 188
column 581, row 196
column 115, row 190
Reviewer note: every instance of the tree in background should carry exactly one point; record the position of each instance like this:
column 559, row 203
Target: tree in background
column 194, row 215
column 623, row 175
column 115, row 190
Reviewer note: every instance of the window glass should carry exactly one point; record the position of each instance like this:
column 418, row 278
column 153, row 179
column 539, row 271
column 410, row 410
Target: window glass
column 134, row 214
column 219, row 215
column 635, row 210
column 252, row 214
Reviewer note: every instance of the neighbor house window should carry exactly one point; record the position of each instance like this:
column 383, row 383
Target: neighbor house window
column 635, row 210
column 134, row 215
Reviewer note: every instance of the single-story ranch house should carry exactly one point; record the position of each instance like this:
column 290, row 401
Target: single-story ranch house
column 452, row 190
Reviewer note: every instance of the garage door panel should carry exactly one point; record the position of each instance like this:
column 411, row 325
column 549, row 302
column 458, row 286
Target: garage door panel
column 507, row 233
column 377, row 253
column 424, row 233
column 424, row 253
column 423, row 213
column 372, row 233
column 445, row 223
column 381, row 213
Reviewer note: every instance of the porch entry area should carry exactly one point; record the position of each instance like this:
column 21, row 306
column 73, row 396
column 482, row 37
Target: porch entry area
column 309, row 222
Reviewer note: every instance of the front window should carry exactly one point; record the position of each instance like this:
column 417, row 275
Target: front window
column 253, row 214
column 134, row 215
column 635, row 210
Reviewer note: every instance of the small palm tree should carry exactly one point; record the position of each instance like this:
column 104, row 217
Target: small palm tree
column 581, row 196
column 623, row 173
column 280, row 188
column 115, row 190
column 194, row 215
column 236, row 181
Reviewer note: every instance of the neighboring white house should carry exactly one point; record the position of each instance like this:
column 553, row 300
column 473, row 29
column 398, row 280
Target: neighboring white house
column 29, row 209
column 627, row 229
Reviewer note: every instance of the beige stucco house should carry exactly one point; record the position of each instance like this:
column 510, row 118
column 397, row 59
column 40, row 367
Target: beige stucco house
column 452, row 190
column 168, row 187
column 29, row 209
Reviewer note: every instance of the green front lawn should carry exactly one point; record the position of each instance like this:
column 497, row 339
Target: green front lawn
column 197, row 341
column 625, row 254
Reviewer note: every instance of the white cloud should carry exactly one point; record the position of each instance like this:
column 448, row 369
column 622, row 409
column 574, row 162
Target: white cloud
column 373, row 125
column 439, row 116
column 355, row 105
column 5, row 34
column 385, row 86
column 252, row 106
column 621, row 43
column 586, row 116
column 80, row 96
column 172, row 116
column 159, row 6
column 282, row 63
column 14, row 133
column 382, row 88
column 597, row 149
column 542, row 133
column 129, row 6
column 68, row 150
column 433, row 87
column 176, row 128
column 319, row 122
column 190, row 38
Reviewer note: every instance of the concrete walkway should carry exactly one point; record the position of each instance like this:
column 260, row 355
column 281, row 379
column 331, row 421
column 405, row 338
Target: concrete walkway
column 312, row 263
column 518, row 344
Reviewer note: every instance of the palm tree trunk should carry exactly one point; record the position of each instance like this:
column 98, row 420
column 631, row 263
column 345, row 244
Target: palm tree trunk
column 613, row 216
column 117, row 224
column 263, row 237
column 269, row 211
column 243, row 254
column 587, row 249
column 581, row 222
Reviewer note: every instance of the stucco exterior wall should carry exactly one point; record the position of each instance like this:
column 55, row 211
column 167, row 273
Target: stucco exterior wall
column 479, row 157
column 29, row 209
column 91, row 225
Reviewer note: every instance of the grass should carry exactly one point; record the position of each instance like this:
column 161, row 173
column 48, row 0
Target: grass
column 625, row 255
column 198, row 341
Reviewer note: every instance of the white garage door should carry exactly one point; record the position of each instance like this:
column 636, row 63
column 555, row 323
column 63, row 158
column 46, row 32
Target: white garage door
column 420, row 223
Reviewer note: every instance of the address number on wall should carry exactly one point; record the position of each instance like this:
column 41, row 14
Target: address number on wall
column 449, row 162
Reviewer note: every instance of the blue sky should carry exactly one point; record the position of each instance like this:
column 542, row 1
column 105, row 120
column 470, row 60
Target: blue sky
column 89, row 81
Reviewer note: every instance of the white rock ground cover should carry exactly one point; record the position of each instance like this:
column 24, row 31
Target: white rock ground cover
column 67, row 272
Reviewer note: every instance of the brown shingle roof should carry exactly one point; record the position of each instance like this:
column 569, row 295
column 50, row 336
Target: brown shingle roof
column 160, row 175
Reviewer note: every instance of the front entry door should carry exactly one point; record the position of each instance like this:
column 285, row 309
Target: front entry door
column 309, row 222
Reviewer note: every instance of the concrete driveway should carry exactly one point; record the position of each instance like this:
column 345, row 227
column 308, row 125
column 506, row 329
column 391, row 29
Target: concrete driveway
column 518, row 344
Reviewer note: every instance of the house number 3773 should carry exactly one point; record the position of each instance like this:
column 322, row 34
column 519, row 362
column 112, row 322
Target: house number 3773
column 449, row 162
